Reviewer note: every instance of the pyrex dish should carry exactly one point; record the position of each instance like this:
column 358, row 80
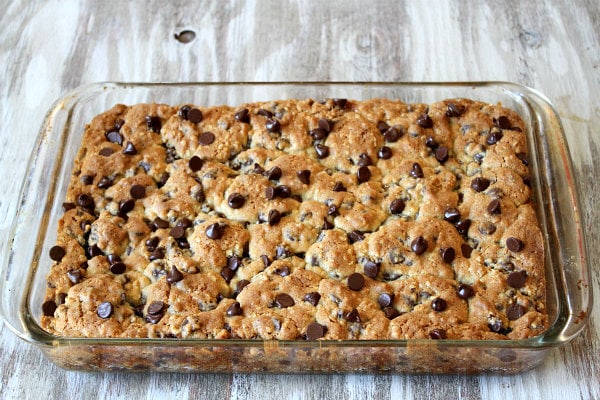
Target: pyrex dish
column 34, row 232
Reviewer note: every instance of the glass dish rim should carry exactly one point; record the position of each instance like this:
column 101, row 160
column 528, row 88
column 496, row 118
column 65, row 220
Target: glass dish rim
column 45, row 339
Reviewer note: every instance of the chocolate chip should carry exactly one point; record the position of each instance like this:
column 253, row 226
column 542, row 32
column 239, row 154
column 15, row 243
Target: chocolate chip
column 325, row 124
column 183, row 112
column 48, row 308
column 487, row 228
column 283, row 300
column 118, row 268
column 382, row 126
column 364, row 160
column 234, row 309
column 62, row 297
column 390, row 312
column 523, row 157
column 317, row 134
column 273, row 125
column 431, row 143
column 57, row 253
column 195, row 163
column 441, row 154
column 392, row 134
column 419, row 245
column 447, row 254
column 312, row 298
column 466, row 250
column 515, row 311
column 270, row 193
column 356, row 281
column 155, row 308
column 206, row 138
column 174, row 275
column 304, row 176
column 322, row 150
column 159, row 223
column 516, row 279
column 104, row 310
column 240, row 285
column 479, row 184
column 157, row 254
column 273, row 174
column 352, row 316
column 87, row 179
column 283, row 271
column 501, row 122
column 114, row 136
column 66, row 206
column 463, row 226
column 315, row 331
column 283, row 191
column 494, row 137
column 265, row 113
column 339, row 187
column 153, row 123
column 327, row 225
column 86, row 201
column 113, row 258
column 234, row 262
column 416, row 171
column 152, row 243
column 236, row 200
column 194, row 115
column 145, row 166
column 425, row 121
column 74, row 275
column 265, row 260
column 274, row 217
column 126, row 205
column 214, row 231
column 177, row 232
column 130, row 149
column 494, row 207
column 515, row 245
column 371, row 269
column 386, row 299
column 153, row 318
column 227, row 274
column 139, row 310
column 437, row 334
column 94, row 251
column 332, row 210
column 455, row 110
column 363, row 174
column 355, row 236
column 137, row 191
column 163, row 179
column 106, row 151
column 465, row 291
column 242, row 116
column 119, row 123
column 439, row 304
column 384, row 153
column 397, row 206
column 340, row 103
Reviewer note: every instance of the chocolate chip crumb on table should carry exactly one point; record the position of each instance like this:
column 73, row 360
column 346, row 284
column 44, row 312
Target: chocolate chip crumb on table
column 300, row 219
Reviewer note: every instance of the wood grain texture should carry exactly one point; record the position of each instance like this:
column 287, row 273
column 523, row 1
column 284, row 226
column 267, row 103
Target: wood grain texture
column 48, row 48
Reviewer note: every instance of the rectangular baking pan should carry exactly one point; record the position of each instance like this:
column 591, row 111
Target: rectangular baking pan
column 569, row 296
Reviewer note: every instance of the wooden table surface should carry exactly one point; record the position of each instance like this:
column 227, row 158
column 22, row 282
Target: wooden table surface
column 48, row 48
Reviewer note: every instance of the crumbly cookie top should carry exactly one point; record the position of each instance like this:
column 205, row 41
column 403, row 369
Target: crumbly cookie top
column 300, row 219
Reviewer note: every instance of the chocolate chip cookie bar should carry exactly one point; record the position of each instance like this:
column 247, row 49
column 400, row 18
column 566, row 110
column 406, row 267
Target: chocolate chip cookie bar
column 300, row 220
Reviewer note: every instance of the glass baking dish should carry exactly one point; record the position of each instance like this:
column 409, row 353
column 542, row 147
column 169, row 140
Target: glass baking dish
column 33, row 232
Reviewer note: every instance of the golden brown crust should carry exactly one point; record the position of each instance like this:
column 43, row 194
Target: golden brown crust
column 375, row 219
